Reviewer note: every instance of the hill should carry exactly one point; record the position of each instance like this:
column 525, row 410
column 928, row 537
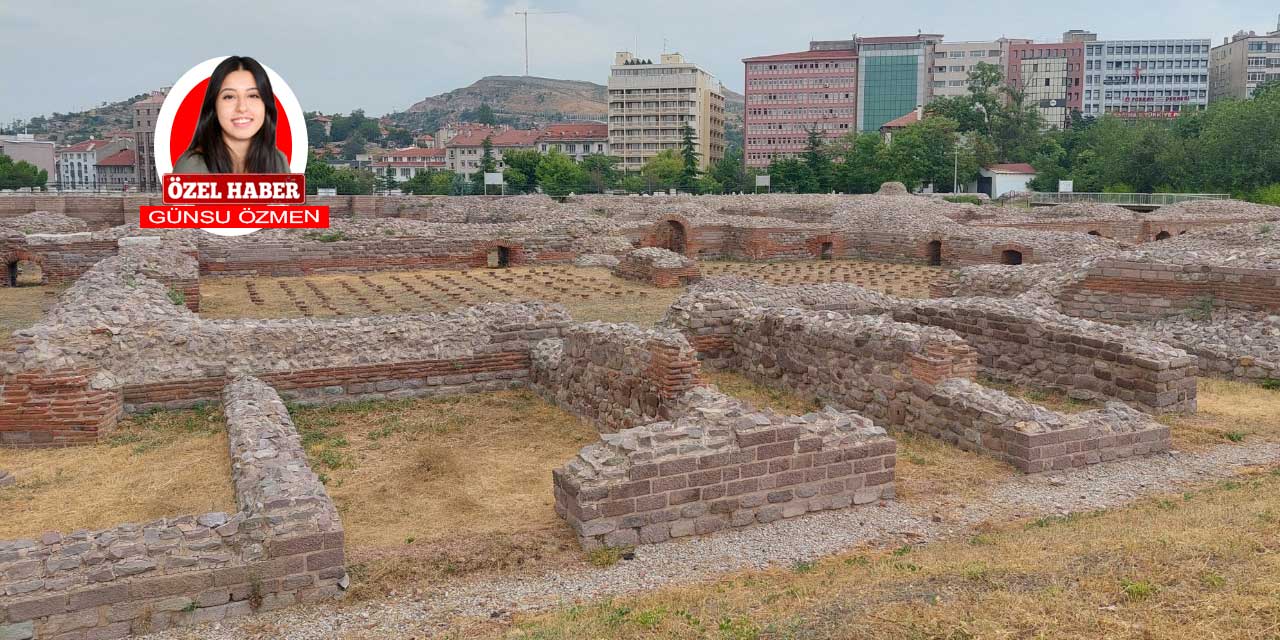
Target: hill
column 521, row 101
column 98, row 122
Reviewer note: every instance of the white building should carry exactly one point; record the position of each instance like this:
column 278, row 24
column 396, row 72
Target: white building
column 953, row 61
column 649, row 105
column 1146, row 78
column 999, row 179
column 78, row 163
column 577, row 140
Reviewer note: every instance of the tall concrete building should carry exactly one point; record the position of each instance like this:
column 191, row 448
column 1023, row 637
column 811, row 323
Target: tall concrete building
column 1240, row 64
column 1156, row 78
column 145, row 112
column 24, row 147
column 649, row 104
column 894, row 77
column 1051, row 76
column 953, row 61
column 790, row 94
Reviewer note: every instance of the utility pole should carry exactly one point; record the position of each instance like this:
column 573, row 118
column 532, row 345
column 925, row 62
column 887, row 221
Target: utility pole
column 526, row 13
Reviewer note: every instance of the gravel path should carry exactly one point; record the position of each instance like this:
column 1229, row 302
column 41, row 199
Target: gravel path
column 428, row 613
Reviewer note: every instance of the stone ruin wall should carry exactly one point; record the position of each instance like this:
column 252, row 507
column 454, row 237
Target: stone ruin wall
column 617, row 376
column 720, row 465
column 1121, row 290
column 283, row 546
column 658, row 268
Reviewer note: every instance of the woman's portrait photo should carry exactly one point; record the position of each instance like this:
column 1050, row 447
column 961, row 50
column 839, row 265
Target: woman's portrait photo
column 236, row 131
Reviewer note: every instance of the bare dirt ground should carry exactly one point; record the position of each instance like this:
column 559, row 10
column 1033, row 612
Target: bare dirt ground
column 22, row 306
column 588, row 293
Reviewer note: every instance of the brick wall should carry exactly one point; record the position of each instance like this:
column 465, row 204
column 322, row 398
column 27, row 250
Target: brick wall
column 1029, row 437
column 1123, row 291
column 55, row 408
column 658, row 267
column 720, row 465
column 617, row 376
column 284, row 546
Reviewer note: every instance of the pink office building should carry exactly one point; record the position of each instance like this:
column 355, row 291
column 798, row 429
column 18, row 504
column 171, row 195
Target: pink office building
column 790, row 94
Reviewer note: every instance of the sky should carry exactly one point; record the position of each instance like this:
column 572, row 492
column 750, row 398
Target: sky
column 382, row 56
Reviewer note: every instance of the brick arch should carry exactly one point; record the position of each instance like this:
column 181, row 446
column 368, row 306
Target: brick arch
column 1025, row 254
column 11, row 256
column 514, row 252
column 927, row 250
column 818, row 245
column 660, row 234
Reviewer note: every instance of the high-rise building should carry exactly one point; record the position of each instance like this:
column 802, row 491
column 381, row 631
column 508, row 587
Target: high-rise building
column 145, row 112
column 954, row 61
column 650, row 103
column 1239, row 65
column 894, row 77
column 1051, row 77
column 790, row 94
column 1145, row 78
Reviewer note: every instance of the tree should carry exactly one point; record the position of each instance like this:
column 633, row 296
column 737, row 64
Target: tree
column 399, row 137
column 861, row 163
column 600, row 172
column 315, row 131
column 708, row 184
column 929, row 152
column 521, row 173
column 731, row 172
column 319, row 174
column 487, row 165
column 389, row 181
column 792, row 175
column 21, row 174
column 663, row 171
column 818, row 162
column 559, row 175
column 689, row 158
column 354, row 146
column 484, row 114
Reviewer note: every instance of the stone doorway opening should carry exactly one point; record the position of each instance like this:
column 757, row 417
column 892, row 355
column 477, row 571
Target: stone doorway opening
column 935, row 253
column 1011, row 257
column 826, row 251
column 499, row 257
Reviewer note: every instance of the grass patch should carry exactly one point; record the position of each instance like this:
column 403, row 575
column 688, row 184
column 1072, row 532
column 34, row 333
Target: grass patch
column 1142, row 571
column 163, row 463
column 1048, row 398
column 1227, row 411
column 21, row 307
column 466, row 479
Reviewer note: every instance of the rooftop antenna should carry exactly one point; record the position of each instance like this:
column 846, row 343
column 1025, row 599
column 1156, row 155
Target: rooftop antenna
column 526, row 13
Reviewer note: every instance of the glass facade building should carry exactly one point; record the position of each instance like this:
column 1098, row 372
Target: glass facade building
column 893, row 77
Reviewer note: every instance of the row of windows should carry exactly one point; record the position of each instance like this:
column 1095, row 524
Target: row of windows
column 1145, row 79
column 801, row 127
column 1045, row 53
column 784, row 67
column 1264, row 62
column 1202, row 63
column 1143, row 108
column 801, row 112
column 1183, row 94
column 798, row 97
column 1148, row 49
column 977, row 53
column 653, row 72
column 1272, row 47
column 801, row 83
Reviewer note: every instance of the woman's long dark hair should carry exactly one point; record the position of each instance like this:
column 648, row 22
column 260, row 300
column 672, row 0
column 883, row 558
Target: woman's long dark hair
column 207, row 140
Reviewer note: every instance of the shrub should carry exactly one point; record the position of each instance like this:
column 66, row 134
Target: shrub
column 177, row 297
column 1267, row 195
column 963, row 199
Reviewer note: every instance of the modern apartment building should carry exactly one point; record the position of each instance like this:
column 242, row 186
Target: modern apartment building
column 650, row 103
column 1240, row 64
column 953, row 61
column 1156, row 78
column 145, row 112
column 1051, row 76
column 790, row 94
column 894, row 77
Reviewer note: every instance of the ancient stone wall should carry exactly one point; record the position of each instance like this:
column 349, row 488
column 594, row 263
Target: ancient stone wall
column 718, row 465
column 283, row 546
column 615, row 375
column 658, row 267
column 1030, row 437
column 56, row 408
column 1127, row 290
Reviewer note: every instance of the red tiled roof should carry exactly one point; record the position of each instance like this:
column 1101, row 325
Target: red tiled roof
column 576, row 131
column 807, row 55
column 153, row 98
column 87, row 145
column 415, row 152
column 516, row 138
column 912, row 117
column 425, row 162
column 1015, row 167
column 471, row 137
column 121, row 158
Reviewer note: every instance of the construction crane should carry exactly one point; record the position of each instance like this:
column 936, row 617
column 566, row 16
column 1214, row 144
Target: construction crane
column 526, row 13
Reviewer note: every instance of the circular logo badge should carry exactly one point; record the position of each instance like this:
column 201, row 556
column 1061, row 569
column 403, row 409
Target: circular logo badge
column 176, row 123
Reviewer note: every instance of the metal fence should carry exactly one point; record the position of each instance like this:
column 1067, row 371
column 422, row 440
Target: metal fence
column 1124, row 199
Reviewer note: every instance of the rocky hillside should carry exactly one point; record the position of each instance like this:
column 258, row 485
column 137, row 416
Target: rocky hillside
column 98, row 122
column 521, row 101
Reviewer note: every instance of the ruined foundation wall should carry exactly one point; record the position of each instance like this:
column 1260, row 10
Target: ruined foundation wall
column 284, row 546
column 615, row 375
column 1121, row 290
column 720, row 465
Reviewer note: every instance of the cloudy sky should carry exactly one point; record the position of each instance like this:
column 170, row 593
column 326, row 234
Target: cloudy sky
column 57, row 55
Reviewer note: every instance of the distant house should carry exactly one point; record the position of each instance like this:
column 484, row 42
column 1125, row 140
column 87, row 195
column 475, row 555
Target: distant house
column 901, row 122
column 403, row 164
column 577, row 140
column 78, row 163
column 117, row 169
column 998, row 179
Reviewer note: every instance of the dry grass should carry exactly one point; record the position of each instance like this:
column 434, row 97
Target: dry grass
column 436, row 487
column 930, row 473
column 1203, row 564
column 1047, row 398
column 1228, row 411
column 155, row 465
column 21, row 307
column 588, row 293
